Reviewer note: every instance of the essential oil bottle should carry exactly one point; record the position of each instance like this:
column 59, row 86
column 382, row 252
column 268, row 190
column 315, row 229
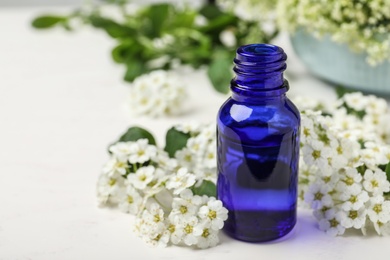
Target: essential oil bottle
column 258, row 147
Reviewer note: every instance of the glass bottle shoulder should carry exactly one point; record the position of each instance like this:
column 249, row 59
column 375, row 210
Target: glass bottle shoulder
column 255, row 121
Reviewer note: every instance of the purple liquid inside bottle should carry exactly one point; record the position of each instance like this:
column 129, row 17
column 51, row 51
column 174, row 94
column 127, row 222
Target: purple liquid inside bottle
column 258, row 147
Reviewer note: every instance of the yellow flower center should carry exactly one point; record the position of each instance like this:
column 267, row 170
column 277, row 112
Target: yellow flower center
column 353, row 214
column 339, row 150
column 318, row 196
column 377, row 208
column 333, row 222
column 157, row 218
column 349, row 181
column 183, row 209
column 120, row 165
column 306, row 131
column 212, row 214
column 210, row 156
column 188, row 229
column 142, row 177
column 205, row 233
column 353, row 199
column 112, row 182
column 316, row 154
column 130, row 199
column 171, row 228
column 158, row 237
column 374, row 183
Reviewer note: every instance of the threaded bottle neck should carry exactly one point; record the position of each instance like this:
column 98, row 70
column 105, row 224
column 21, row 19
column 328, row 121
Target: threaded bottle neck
column 259, row 70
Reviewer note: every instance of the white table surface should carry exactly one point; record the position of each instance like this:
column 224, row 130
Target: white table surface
column 61, row 102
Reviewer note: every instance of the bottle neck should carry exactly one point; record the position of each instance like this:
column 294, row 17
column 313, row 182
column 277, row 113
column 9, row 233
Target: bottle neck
column 244, row 95
column 259, row 73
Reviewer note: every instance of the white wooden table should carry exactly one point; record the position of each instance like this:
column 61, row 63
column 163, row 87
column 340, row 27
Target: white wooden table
column 61, row 102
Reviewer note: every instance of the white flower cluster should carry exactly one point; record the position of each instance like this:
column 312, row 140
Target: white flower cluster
column 157, row 94
column 143, row 180
column 342, row 174
column 253, row 10
column 199, row 156
column 362, row 25
column 193, row 220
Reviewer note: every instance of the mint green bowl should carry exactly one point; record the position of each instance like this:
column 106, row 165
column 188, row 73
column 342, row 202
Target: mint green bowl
column 335, row 63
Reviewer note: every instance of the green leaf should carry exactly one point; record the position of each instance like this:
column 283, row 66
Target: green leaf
column 341, row 91
column 114, row 29
column 220, row 71
column 158, row 15
column 387, row 170
column 219, row 24
column 135, row 68
column 207, row 188
column 210, row 11
column 135, row 133
column 175, row 141
column 47, row 21
column 128, row 50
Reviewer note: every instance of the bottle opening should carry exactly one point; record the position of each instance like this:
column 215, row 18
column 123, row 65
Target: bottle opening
column 260, row 53
column 261, row 49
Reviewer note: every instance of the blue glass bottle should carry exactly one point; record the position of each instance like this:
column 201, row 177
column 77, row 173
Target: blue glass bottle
column 258, row 147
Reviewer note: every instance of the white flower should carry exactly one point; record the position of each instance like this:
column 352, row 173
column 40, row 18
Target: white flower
column 151, row 226
column 164, row 161
column 331, row 224
column 176, row 230
column 317, row 154
column 214, row 212
column 376, row 182
column 159, row 238
column 207, row 237
column 196, row 145
column 115, row 166
column 374, row 154
column 156, row 185
column 356, row 101
column 109, row 188
column 379, row 210
column 131, row 201
column 158, row 93
column 142, row 177
column 382, row 229
column 191, row 127
column 228, row 38
column 318, row 195
column 186, row 158
column 154, row 214
column 307, row 129
column 353, row 197
column 354, row 218
column 181, row 209
column 121, row 150
column 142, row 152
column 349, row 178
column 185, row 206
column 210, row 159
column 206, row 174
column 180, row 181
column 186, row 228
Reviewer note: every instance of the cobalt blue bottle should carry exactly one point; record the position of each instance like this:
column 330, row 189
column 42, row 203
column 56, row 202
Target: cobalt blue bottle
column 258, row 147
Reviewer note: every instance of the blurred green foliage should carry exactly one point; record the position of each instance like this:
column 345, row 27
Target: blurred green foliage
column 159, row 35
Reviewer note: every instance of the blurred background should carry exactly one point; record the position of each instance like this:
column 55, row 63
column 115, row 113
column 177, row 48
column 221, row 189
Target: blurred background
column 39, row 2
